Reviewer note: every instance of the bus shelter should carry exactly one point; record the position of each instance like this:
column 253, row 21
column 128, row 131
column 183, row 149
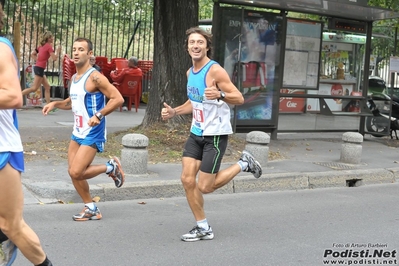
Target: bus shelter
column 298, row 75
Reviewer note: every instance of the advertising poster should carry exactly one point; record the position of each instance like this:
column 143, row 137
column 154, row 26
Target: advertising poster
column 257, row 41
column 292, row 104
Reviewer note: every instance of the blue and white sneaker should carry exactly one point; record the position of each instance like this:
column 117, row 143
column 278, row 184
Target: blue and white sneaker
column 253, row 165
column 8, row 253
column 198, row 233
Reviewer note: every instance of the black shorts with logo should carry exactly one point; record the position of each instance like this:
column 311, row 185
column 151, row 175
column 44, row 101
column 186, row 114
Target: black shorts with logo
column 208, row 149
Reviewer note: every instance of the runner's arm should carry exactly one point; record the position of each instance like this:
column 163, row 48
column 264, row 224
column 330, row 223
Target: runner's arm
column 64, row 105
column 222, row 83
column 34, row 54
column 184, row 109
column 10, row 88
column 109, row 90
column 54, row 56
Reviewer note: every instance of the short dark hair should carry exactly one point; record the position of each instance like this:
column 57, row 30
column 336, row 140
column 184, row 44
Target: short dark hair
column 207, row 36
column 2, row 15
column 89, row 43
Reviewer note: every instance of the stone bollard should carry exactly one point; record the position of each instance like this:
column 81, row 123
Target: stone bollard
column 134, row 155
column 351, row 151
column 257, row 145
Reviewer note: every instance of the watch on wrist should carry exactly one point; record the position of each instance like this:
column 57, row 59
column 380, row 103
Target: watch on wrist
column 222, row 95
column 99, row 116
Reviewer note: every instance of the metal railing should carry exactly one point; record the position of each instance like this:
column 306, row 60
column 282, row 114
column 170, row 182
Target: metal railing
column 108, row 24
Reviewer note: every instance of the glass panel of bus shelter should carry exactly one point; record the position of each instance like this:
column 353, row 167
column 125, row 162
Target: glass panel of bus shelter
column 316, row 122
column 257, row 40
column 340, row 73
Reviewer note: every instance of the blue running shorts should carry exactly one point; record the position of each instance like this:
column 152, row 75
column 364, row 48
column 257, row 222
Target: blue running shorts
column 15, row 159
column 96, row 145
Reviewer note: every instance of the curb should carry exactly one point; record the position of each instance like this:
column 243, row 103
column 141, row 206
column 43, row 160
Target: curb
column 52, row 192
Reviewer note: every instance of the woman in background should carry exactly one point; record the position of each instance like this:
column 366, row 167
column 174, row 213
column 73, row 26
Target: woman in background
column 41, row 56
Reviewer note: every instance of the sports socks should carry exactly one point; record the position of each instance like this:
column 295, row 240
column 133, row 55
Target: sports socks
column 3, row 237
column 243, row 165
column 91, row 206
column 46, row 262
column 110, row 168
column 203, row 224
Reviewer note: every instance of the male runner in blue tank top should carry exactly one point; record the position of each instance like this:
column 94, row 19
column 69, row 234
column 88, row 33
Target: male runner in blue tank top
column 88, row 91
column 209, row 90
column 14, row 231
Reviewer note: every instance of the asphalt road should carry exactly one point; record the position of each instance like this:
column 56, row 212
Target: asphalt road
column 265, row 228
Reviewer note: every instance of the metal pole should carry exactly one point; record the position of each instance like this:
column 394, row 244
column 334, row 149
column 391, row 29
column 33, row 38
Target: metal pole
column 239, row 68
column 366, row 67
column 395, row 41
column 131, row 39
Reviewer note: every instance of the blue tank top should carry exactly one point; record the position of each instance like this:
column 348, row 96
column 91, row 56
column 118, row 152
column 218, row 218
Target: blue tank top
column 210, row 117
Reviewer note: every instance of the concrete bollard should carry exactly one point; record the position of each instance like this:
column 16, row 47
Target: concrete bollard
column 257, row 145
column 351, row 151
column 134, row 157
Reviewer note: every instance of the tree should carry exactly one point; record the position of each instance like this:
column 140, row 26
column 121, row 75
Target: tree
column 171, row 20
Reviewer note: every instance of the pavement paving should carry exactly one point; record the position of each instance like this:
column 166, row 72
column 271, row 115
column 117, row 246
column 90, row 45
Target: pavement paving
column 311, row 160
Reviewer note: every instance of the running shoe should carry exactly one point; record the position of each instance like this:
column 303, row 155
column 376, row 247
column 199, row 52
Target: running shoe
column 88, row 214
column 117, row 174
column 253, row 165
column 198, row 233
column 8, row 253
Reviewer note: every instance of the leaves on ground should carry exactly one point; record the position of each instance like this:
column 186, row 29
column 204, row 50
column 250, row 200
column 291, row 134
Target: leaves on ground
column 165, row 145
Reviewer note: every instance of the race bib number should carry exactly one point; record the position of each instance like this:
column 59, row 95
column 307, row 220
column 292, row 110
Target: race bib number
column 78, row 121
column 198, row 115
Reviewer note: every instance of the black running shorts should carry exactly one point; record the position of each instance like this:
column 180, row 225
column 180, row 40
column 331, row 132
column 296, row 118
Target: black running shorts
column 208, row 149
column 39, row 71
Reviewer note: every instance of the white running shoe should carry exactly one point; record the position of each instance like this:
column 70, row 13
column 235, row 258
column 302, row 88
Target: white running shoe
column 198, row 233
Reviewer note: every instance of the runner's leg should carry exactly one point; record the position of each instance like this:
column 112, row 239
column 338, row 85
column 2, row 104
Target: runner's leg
column 11, row 220
column 80, row 169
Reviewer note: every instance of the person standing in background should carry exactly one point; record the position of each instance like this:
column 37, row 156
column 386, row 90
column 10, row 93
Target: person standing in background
column 93, row 63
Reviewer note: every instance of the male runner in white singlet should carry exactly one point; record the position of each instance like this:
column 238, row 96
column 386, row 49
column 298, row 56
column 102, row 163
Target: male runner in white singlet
column 88, row 92
column 14, row 231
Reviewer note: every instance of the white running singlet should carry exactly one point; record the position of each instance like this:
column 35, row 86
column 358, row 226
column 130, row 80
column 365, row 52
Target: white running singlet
column 84, row 106
column 10, row 140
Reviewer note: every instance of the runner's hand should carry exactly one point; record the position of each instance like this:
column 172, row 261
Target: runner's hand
column 47, row 108
column 212, row 92
column 167, row 112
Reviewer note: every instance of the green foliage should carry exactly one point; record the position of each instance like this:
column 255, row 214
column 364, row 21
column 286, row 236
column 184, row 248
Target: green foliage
column 205, row 9
column 389, row 4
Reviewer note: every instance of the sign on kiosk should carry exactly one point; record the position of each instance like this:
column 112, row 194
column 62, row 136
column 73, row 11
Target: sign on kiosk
column 291, row 104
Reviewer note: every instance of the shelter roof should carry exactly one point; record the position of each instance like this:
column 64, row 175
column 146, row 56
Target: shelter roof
column 334, row 8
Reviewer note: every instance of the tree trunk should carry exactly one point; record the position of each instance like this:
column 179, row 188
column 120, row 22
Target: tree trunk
column 171, row 61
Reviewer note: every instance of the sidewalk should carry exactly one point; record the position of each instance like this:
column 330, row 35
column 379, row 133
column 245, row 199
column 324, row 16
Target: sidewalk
column 312, row 161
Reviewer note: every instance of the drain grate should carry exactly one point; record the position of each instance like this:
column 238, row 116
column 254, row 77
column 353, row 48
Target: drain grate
column 336, row 166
